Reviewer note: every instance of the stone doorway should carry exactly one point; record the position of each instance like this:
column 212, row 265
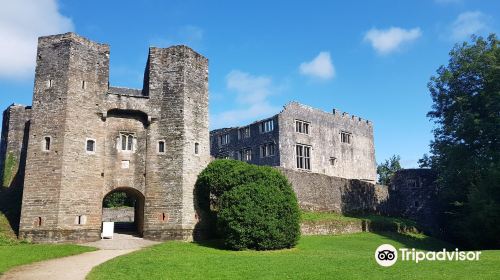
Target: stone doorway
column 124, row 207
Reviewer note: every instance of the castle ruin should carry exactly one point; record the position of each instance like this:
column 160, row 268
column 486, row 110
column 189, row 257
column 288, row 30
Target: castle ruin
column 83, row 139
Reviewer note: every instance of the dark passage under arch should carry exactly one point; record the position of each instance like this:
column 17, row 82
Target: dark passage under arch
column 117, row 207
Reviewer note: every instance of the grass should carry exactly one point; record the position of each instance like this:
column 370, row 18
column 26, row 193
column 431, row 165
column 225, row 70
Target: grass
column 315, row 257
column 14, row 252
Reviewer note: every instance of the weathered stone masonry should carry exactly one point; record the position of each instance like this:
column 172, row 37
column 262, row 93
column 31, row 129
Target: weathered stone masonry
column 78, row 125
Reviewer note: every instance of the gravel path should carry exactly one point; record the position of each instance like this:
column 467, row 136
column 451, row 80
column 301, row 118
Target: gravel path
column 77, row 267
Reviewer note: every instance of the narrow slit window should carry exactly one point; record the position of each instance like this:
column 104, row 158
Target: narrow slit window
column 83, row 85
column 47, row 143
column 161, row 147
column 39, row 221
column 196, row 148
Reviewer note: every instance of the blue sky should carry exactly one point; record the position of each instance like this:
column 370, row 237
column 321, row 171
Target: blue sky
column 372, row 59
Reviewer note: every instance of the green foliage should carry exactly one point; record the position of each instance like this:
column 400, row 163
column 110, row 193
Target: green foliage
column 387, row 169
column 258, row 216
column 9, row 169
column 223, row 176
column 118, row 199
column 466, row 149
column 315, row 257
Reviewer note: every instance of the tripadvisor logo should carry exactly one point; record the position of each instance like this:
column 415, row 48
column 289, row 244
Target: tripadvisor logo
column 387, row 255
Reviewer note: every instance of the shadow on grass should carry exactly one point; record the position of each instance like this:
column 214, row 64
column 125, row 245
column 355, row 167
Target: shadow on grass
column 417, row 241
column 10, row 205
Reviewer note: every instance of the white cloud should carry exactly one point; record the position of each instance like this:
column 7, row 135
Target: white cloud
column 320, row 67
column 252, row 93
column 469, row 23
column 21, row 23
column 385, row 41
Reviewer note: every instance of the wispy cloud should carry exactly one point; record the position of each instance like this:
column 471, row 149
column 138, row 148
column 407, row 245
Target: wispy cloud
column 468, row 23
column 21, row 23
column 386, row 41
column 252, row 99
column 321, row 67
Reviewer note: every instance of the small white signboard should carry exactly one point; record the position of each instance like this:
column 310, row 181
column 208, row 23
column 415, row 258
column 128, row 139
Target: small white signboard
column 107, row 229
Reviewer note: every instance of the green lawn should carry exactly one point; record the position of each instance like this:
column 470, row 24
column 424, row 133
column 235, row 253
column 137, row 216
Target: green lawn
column 315, row 257
column 14, row 252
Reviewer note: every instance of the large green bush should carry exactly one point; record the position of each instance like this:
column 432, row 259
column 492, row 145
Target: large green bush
column 253, row 206
column 258, row 216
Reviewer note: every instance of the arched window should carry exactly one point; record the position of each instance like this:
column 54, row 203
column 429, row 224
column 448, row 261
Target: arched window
column 196, row 148
column 127, row 141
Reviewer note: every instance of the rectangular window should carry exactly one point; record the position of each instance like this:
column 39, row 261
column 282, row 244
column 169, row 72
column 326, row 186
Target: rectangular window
column 196, row 148
column 267, row 150
column 245, row 155
column 267, row 126
column 303, row 154
column 90, row 145
column 224, row 139
column 301, row 127
column 248, row 155
column 161, row 147
column 244, row 132
column 345, row 137
column 332, row 160
column 127, row 141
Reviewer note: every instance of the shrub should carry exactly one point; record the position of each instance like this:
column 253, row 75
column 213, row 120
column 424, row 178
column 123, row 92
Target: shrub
column 258, row 216
column 224, row 174
column 253, row 206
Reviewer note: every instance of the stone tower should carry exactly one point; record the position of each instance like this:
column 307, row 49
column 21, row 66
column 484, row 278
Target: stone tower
column 87, row 139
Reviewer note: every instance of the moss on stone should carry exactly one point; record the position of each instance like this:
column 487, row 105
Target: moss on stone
column 10, row 166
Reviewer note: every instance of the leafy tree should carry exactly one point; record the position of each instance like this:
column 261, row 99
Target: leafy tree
column 466, row 149
column 387, row 169
column 118, row 199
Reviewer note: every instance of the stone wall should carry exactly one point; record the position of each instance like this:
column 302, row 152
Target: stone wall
column 320, row 192
column 413, row 195
column 73, row 103
column 13, row 141
column 329, row 155
column 120, row 214
column 238, row 142
column 354, row 160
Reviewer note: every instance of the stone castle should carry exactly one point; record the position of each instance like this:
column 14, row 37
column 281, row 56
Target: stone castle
column 305, row 139
column 83, row 139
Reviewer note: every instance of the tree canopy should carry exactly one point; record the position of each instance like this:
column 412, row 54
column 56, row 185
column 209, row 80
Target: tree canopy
column 465, row 151
column 387, row 169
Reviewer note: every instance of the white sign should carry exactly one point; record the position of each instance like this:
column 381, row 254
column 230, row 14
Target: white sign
column 107, row 229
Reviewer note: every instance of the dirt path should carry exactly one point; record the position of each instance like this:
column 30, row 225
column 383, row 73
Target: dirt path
column 77, row 267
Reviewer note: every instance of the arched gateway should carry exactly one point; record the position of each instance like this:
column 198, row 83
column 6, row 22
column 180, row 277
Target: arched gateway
column 87, row 139
column 128, row 218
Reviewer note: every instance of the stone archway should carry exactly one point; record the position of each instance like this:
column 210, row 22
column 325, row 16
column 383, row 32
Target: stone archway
column 119, row 216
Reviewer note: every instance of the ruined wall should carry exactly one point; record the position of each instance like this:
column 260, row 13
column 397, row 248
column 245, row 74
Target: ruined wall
column 413, row 195
column 238, row 142
column 13, row 144
column 354, row 160
column 320, row 192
